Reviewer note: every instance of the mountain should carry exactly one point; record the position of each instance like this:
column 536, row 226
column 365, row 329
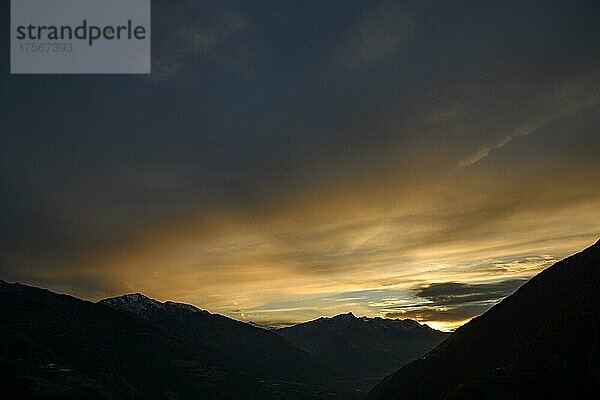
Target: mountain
column 240, row 346
column 364, row 347
column 59, row 347
column 55, row 346
column 542, row 342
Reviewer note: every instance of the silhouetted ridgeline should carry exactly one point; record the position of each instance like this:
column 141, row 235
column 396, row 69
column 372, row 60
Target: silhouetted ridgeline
column 542, row 342
column 539, row 343
column 133, row 347
column 364, row 347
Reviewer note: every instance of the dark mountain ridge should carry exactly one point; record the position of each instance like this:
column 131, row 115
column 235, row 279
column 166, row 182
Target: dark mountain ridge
column 257, row 352
column 134, row 347
column 364, row 347
column 539, row 343
column 57, row 346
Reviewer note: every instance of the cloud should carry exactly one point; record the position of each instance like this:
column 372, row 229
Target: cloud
column 454, row 302
column 454, row 316
column 484, row 151
column 564, row 103
column 189, row 45
column 456, row 293
column 377, row 36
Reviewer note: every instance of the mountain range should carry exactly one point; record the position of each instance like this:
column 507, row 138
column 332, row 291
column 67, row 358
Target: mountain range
column 364, row 347
column 59, row 347
column 134, row 347
column 542, row 342
column 241, row 347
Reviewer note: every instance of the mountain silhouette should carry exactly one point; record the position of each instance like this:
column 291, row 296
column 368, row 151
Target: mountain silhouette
column 59, row 347
column 542, row 342
column 55, row 346
column 240, row 346
column 364, row 347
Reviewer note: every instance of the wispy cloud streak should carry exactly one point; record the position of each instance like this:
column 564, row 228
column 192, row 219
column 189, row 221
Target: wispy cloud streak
column 564, row 111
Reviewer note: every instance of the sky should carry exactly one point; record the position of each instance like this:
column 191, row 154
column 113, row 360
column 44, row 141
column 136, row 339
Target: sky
column 287, row 160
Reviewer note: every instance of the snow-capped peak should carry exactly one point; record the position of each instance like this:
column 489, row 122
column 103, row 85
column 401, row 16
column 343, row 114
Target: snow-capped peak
column 140, row 304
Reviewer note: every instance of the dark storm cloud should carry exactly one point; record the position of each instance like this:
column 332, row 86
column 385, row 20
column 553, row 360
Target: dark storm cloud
column 455, row 293
column 455, row 301
column 450, row 315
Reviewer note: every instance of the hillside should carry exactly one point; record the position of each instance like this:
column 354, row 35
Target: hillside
column 57, row 346
column 539, row 343
column 364, row 347
column 254, row 351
